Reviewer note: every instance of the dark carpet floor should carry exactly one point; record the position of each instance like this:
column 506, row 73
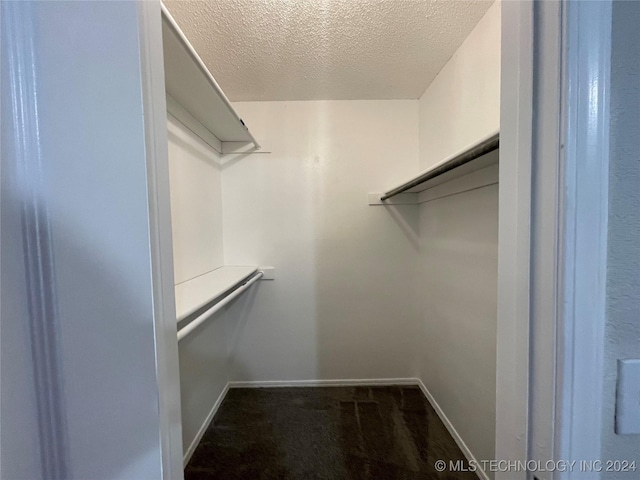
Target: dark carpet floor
column 329, row 433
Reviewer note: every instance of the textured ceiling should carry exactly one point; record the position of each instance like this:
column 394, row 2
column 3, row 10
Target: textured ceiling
column 326, row 49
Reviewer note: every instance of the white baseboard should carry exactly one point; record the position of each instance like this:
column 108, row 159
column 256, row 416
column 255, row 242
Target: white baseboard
column 338, row 383
column 358, row 382
column 194, row 444
column 452, row 430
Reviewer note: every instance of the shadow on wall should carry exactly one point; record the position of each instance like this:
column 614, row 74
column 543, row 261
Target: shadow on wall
column 115, row 312
column 237, row 316
column 192, row 144
column 207, row 362
column 343, row 305
column 458, row 281
column 407, row 219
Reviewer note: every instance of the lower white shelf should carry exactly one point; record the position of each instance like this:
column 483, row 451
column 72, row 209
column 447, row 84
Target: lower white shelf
column 194, row 294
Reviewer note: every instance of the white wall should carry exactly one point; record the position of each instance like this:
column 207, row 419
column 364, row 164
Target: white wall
column 623, row 269
column 196, row 213
column 343, row 304
column 462, row 104
column 196, row 203
column 459, row 243
column 204, row 373
column 459, row 255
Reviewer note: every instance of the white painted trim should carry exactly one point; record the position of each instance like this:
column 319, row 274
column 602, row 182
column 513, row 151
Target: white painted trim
column 205, row 425
column 160, row 238
column 514, row 238
column 364, row 382
column 549, row 306
column 584, row 226
column 552, row 243
column 546, row 255
column 22, row 168
column 452, row 430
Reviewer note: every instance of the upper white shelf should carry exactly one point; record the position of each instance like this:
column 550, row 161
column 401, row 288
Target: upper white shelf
column 189, row 82
column 476, row 157
column 194, row 294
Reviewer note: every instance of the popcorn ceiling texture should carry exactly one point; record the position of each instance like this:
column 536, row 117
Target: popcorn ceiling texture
column 326, row 49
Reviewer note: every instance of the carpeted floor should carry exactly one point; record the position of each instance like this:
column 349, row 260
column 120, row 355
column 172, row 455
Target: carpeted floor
column 330, row 433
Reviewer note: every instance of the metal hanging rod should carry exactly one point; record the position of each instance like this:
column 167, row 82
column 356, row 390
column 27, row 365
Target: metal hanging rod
column 485, row 146
column 183, row 332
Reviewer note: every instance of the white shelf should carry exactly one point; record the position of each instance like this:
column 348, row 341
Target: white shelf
column 469, row 160
column 190, row 84
column 194, row 294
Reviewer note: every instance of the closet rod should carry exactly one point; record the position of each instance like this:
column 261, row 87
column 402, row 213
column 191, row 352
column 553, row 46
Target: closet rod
column 485, row 146
column 183, row 332
column 203, row 68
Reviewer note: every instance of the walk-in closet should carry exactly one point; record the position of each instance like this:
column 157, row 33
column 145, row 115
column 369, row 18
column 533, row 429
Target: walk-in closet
column 334, row 247
column 317, row 239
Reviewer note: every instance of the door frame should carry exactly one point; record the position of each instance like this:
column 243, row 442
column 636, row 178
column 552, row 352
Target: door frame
column 553, row 233
column 36, row 322
column 555, row 67
column 161, row 239
column 584, row 233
